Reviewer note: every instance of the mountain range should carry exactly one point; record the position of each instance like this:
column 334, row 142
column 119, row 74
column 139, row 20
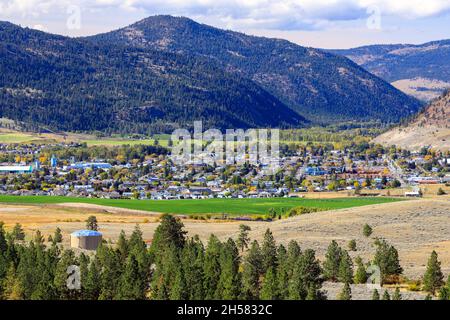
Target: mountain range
column 419, row 70
column 165, row 72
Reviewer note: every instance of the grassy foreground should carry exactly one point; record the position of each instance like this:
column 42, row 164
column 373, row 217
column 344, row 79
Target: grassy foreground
column 213, row 206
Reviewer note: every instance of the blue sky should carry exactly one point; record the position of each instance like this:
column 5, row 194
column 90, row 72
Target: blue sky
column 316, row 23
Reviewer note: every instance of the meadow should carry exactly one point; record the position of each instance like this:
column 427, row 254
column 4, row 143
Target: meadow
column 207, row 206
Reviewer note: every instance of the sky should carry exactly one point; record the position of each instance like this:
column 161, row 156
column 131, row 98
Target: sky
column 316, row 23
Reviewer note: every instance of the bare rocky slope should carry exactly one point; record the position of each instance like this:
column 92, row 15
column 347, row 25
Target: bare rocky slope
column 430, row 128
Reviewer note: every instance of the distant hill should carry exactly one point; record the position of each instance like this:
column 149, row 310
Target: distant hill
column 165, row 72
column 74, row 84
column 320, row 86
column 420, row 70
column 430, row 128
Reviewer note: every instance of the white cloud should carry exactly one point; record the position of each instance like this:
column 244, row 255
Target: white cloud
column 269, row 14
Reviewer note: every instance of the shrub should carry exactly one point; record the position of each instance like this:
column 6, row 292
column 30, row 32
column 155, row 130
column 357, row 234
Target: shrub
column 367, row 230
column 352, row 245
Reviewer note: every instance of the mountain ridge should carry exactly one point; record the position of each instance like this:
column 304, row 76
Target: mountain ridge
column 225, row 78
column 289, row 71
column 421, row 70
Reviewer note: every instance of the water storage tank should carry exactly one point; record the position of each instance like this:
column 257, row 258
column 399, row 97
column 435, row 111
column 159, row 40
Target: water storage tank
column 85, row 239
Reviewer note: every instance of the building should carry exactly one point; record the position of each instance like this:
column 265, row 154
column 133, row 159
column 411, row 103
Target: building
column 16, row 169
column 85, row 239
column 93, row 165
column 53, row 161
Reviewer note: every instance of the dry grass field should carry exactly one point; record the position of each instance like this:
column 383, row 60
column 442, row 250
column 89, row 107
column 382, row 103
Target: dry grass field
column 414, row 227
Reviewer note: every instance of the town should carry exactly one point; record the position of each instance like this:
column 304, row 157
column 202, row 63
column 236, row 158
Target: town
column 147, row 172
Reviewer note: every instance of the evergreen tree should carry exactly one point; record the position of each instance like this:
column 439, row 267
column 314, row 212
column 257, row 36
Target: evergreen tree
column 169, row 233
column 131, row 285
column 229, row 284
column 269, row 288
column 397, row 295
column 91, row 283
column 269, row 251
column 178, row 290
column 122, row 246
column 361, row 274
column 251, row 274
column 57, row 238
column 111, row 270
column 386, row 258
column 433, row 278
column 212, row 267
column 332, row 262
column 386, row 295
column 346, row 293
column 91, row 223
column 375, row 295
column 18, row 233
column 345, row 274
column 192, row 262
column 305, row 276
column 243, row 238
column 282, row 273
column 61, row 276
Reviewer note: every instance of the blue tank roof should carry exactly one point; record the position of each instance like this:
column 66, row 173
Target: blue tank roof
column 86, row 233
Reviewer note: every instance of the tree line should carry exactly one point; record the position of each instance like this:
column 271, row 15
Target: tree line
column 175, row 267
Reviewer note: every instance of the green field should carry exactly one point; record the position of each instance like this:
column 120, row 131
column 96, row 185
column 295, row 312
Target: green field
column 119, row 142
column 213, row 206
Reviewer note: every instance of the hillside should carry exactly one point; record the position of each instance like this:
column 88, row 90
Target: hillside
column 420, row 70
column 320, row 86
column 165, row 72
column 73, row 84
column 430, row 128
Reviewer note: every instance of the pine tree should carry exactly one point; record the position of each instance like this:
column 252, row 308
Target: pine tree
column 306, row 275
column 91, row 223
column 293, row 253
column 345, row 274
column 12, row 285
column 229, row 284
column 397, row 295
column 375, row 295
column 212, row 267
column 386, row 258
column 131, row 286
column 243, row 238
column 332, row 261
column 57, row 238
column 269, row 251
column 433, row 278
column 122, row 246
column 18, row 233
column 178, row 290
column 386, row 295
column 192, row 261
column 91, row 283
column 169, row 233
column 269, row 288
column 111, row 270
column 282, row 273
column 346, row 293
column 61, row 276
column 252, row 270
column 361, row 274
